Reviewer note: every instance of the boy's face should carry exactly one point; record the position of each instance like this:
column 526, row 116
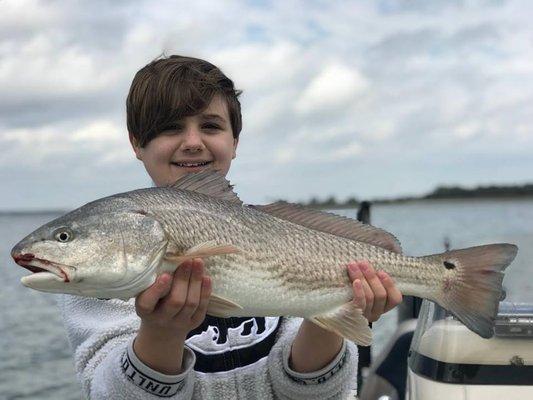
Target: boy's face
column 197, row 142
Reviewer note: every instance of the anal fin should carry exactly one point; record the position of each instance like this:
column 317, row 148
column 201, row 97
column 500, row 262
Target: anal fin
column 346, row 321
column 222, row 307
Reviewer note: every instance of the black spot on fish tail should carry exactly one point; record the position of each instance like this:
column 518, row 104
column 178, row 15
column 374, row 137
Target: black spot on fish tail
column 449, row 265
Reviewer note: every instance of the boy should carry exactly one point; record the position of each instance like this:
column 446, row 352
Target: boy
column 183, row 115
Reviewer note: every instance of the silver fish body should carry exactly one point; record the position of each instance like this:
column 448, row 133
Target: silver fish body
column 278, row 260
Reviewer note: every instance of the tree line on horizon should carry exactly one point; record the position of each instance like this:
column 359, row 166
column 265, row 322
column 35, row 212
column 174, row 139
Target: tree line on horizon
column 441, row 192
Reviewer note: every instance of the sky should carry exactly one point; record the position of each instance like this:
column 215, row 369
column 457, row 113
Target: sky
column 364, row 99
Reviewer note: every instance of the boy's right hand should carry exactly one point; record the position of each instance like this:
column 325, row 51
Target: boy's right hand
column 175, row 304
column 169, row 309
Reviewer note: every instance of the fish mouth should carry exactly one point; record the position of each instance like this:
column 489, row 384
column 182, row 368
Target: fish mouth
column 42, row 266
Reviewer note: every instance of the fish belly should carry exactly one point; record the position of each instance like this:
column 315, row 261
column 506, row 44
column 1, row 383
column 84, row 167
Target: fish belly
column 259, row 293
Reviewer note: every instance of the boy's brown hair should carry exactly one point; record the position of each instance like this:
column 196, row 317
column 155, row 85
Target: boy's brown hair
column 171, row 88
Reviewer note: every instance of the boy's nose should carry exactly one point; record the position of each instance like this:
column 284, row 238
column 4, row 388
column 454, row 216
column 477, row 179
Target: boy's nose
column 192, row 141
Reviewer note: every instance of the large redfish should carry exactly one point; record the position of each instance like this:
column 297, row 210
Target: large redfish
column 273, row 260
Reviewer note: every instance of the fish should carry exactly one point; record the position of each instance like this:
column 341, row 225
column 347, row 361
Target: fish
column 278, row 259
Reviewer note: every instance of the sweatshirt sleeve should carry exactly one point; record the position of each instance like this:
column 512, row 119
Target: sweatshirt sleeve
column 101, row 333
column 334, row 381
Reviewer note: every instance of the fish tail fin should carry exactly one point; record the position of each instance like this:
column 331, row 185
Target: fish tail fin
column 474, row 293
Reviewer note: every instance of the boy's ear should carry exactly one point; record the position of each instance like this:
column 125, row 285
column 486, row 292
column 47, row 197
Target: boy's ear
column 235, row 143
column 136, row 147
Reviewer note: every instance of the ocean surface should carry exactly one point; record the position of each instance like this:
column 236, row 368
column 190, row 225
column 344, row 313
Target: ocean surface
column 35, row 358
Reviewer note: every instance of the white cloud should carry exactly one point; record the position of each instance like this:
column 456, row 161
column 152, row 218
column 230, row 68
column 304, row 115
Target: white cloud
column 351, row 150
column 104, row 141
column 31, row 146
column 334, row 87
column 98, row 132
column 466, row 130
column 285, row 156
column 24, row 15
column 107, row 139
column 263, row 114
column 261, row 66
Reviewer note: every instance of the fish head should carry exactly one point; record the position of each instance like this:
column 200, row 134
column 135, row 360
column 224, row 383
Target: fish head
column 97, row 251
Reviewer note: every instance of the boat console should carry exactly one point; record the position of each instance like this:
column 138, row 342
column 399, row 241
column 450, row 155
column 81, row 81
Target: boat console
column 448, row 361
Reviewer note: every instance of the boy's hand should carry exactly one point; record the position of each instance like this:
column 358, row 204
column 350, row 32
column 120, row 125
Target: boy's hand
column 375, row 293
column 169, row 309
column 175, row 305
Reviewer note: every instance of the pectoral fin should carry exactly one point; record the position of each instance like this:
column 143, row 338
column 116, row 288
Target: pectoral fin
column 221, row 307
column 202, row 250
column 347, row 321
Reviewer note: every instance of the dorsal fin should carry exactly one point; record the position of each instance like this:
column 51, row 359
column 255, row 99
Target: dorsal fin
column 208, row 182
column 334, row 224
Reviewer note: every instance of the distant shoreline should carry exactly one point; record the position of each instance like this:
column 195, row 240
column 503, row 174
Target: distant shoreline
column 441, row 193
column 342, row 206
column 31, row 212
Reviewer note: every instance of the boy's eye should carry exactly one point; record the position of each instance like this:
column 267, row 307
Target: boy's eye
column 170, row 129
column 212, row 126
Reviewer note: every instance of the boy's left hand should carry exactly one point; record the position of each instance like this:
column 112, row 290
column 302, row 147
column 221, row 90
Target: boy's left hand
column 374, row 292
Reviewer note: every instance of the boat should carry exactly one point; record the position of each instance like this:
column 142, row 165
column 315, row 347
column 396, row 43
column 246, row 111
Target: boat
column 433, row 356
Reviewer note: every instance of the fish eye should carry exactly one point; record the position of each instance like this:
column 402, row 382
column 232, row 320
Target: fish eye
column 63, row 235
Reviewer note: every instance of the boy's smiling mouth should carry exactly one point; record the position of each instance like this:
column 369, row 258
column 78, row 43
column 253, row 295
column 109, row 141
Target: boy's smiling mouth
column 191, row 164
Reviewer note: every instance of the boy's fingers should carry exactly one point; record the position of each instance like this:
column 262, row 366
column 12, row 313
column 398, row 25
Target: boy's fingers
column 174, row 301
column 394, row 296
column 359, row 294
column 195, row 288
column 201, row 310
column 146, row 301
column 369, row 294
column 355, row 272
column 378, row 291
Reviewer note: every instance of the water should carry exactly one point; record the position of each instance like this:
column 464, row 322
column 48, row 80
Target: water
column 35, row 359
